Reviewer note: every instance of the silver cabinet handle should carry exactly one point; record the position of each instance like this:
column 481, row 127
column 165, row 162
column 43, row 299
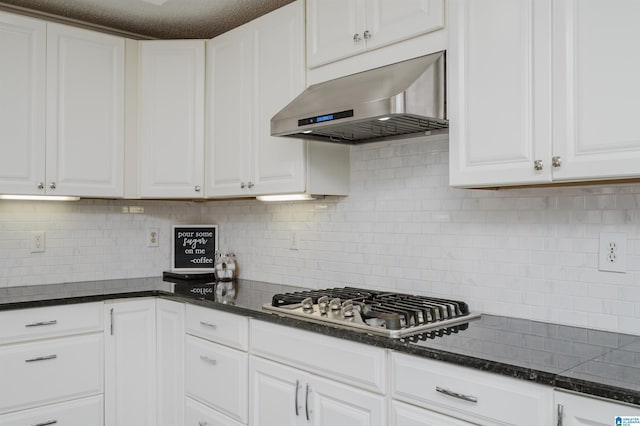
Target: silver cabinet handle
column 208, row 360
column 306, row 402
column 537, row 165
column 41, row 358
column 41, row 185
column 242, row 185
column 197, row 188
column 356, row 38
column 208, row 324
column 47, row 423
column 296, row 401
column 53, row 185
column 556, row 161
column 111, row 318
column 202, row 423
column 367, row 35
column 448, row 392
column 41, row 323
column 250, row 185
column 560, row 415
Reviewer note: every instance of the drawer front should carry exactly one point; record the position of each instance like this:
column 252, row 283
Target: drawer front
column 217, row 326
column 408, row 415
column 499, row 400
column 80, row 412
column 50, row 371
column 217, row 376
column 352, row 363
column 197, row 414
column 38, row 323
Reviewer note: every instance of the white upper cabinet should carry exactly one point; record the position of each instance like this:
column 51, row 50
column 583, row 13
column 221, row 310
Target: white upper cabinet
column 72, row 143
column 22, row 104
column 253, row 72
column 596, row 89
column 542, row 91
column 171, row 115
column 85, row 112
column 337, row 29
column 499, row 101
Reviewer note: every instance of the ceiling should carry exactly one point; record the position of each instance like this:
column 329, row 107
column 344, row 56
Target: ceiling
column 162, row 19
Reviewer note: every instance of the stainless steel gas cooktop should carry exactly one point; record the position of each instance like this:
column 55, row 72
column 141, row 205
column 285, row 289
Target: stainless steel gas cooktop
column 394, row 315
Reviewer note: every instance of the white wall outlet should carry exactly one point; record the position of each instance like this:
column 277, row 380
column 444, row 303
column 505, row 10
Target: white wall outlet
column 293, row 240
column 613, row 252
column 37, row 241
column 152, row 237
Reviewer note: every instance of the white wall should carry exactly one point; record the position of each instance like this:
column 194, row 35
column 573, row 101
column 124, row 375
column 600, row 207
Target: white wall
column 529, row 253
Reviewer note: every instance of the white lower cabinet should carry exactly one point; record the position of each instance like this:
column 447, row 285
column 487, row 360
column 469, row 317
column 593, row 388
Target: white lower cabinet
column 468, row 394
column 576, row 410
column 130, row 362
column 79, row 412
column 170, row 362
column 282, row 395
column 408, row 415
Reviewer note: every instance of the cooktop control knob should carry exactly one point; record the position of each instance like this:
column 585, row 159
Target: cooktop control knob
column 323, row 305
column 307, row 303
column 334, row 305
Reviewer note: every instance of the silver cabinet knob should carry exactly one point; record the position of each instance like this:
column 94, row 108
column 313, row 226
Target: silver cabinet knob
column 242, row 185
column 197, row 188
column 556, row 161
column 41, row 185
column 367, row 35
column 537, row 165
column 250, row 185
column 53, row 185
column 357, row 38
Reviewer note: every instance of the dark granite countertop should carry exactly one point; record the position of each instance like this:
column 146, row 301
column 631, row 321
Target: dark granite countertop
column 594, row 362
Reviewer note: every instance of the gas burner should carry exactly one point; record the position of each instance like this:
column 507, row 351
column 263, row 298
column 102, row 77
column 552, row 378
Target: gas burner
column 389, row 314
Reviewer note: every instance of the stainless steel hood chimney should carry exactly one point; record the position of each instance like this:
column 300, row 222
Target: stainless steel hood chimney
column 405, row 99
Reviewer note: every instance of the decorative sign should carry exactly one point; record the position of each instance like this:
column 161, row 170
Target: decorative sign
column 193, row 248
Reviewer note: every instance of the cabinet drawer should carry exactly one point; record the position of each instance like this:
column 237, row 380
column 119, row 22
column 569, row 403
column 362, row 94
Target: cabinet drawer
column 217, row 326
column 407, row 415
column 197, row 414
column 217, row 376
column 80, row 412
column 352, row 363
column 499, row 400
column 37, row 323
column 50, row 371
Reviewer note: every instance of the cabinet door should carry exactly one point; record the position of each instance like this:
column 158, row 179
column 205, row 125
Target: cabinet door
column 499, row 92
column 390, row 21
column 328, row 403
column 170, row 352
column 596, row 89
column 276, row 394
column 586, row 411
column 85, row 113
column 130, row 363
column 172, row 118
column 22, row 104
column 279, row 163
column 230, row 116
column 333, row 30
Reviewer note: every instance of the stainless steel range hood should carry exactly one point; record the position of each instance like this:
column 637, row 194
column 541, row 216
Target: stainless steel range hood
column 405, row 99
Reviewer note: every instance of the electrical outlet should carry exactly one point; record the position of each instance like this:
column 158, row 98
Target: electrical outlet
column 293, row 240
column 37, row 241
column 613, row 252
column 152, row 237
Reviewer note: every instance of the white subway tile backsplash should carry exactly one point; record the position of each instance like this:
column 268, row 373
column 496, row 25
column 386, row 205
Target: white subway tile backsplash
column 526, row 252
